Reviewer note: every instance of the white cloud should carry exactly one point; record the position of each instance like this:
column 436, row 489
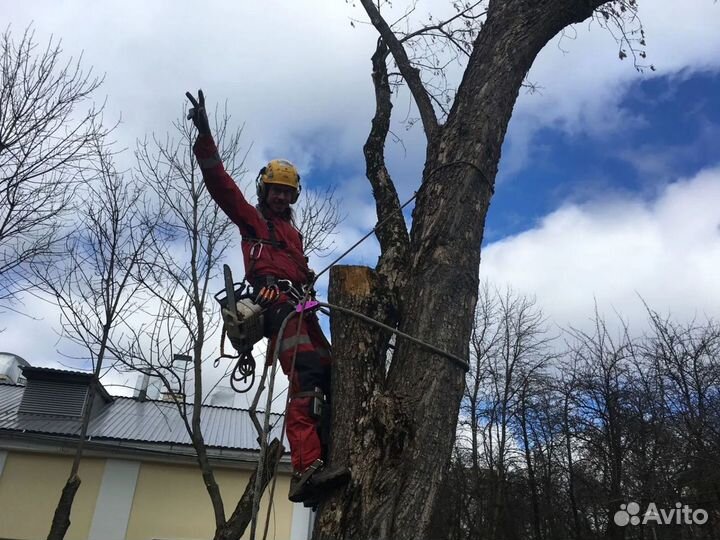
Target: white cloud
column 289, row 70
column 666, row 251
column 299, row 76
column 582, row 82
column 33, row 333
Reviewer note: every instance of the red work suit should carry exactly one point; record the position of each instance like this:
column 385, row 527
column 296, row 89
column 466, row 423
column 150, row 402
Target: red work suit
column 284, row 261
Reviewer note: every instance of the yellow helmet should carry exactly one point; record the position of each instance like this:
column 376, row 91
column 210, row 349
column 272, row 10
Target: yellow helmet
column 278, row 171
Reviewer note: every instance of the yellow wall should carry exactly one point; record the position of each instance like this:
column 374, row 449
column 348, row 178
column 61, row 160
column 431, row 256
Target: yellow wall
column 30, row 487
column 171, row 502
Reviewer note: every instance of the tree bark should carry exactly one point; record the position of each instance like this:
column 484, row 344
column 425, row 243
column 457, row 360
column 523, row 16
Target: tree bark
column 369, row 433
column 61, row 518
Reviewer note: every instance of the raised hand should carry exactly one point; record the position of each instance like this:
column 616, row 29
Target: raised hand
column 197, row 113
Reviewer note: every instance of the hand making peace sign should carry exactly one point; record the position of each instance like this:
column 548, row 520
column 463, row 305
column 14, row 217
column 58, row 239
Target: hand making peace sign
column 197, row 113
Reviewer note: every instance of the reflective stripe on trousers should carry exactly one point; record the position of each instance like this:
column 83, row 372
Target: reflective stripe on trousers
column 312, row 369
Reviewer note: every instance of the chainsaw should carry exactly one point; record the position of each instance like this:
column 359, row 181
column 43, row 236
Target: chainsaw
column 243, row 323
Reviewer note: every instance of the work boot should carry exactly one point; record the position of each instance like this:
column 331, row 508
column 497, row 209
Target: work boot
column 322, row 483
column 329, row 477
column 317, row 480
column 300, row 488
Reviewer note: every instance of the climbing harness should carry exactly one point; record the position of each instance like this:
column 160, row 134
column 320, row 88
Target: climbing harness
column 242, row 314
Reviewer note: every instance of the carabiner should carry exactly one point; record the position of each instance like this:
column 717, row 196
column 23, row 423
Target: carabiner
column 286, row 287
column 254, row 252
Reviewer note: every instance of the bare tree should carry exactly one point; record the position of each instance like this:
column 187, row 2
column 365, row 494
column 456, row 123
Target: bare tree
column 94, row 284
column 45, row 139
column 319, row 217
column 509, row 350
column 603, row 413
column 195, row 237
column 567, row 384
column 611, row 419
column 684, row 393
column 395, row 428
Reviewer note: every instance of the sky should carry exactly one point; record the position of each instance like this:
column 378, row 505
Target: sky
column 608, row 187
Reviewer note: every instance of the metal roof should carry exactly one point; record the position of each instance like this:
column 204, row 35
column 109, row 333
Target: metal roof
column 128, row 419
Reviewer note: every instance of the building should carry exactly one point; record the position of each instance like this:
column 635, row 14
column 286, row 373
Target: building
column 140, row 480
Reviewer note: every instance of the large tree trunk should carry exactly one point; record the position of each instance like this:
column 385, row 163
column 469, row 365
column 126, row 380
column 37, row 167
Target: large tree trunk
column 373, row 433
column 396, row 432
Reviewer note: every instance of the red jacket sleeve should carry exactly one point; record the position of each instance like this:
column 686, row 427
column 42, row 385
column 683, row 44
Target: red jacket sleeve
column 223, row 188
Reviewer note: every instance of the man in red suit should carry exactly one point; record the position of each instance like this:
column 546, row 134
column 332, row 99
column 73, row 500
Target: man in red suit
column 273, row 251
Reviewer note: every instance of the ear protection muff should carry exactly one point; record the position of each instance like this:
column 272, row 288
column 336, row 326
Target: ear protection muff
column 260, row 185
column 297, row 192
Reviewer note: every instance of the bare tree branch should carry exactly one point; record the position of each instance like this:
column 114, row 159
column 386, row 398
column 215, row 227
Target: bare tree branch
column 319, row 217
column 44, row 144
column 393, row 235
column 94, row 286
column 409, row 73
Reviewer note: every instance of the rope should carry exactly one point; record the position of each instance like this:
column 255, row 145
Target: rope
column 287, row 403
column 244, row 369
column 456, row 359
column 469, row 163
column 266, row 423
column 356, row 244
column 261, row 458
column 266, row 426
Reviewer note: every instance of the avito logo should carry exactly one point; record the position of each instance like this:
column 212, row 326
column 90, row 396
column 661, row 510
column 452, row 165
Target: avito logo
column 629, row 514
